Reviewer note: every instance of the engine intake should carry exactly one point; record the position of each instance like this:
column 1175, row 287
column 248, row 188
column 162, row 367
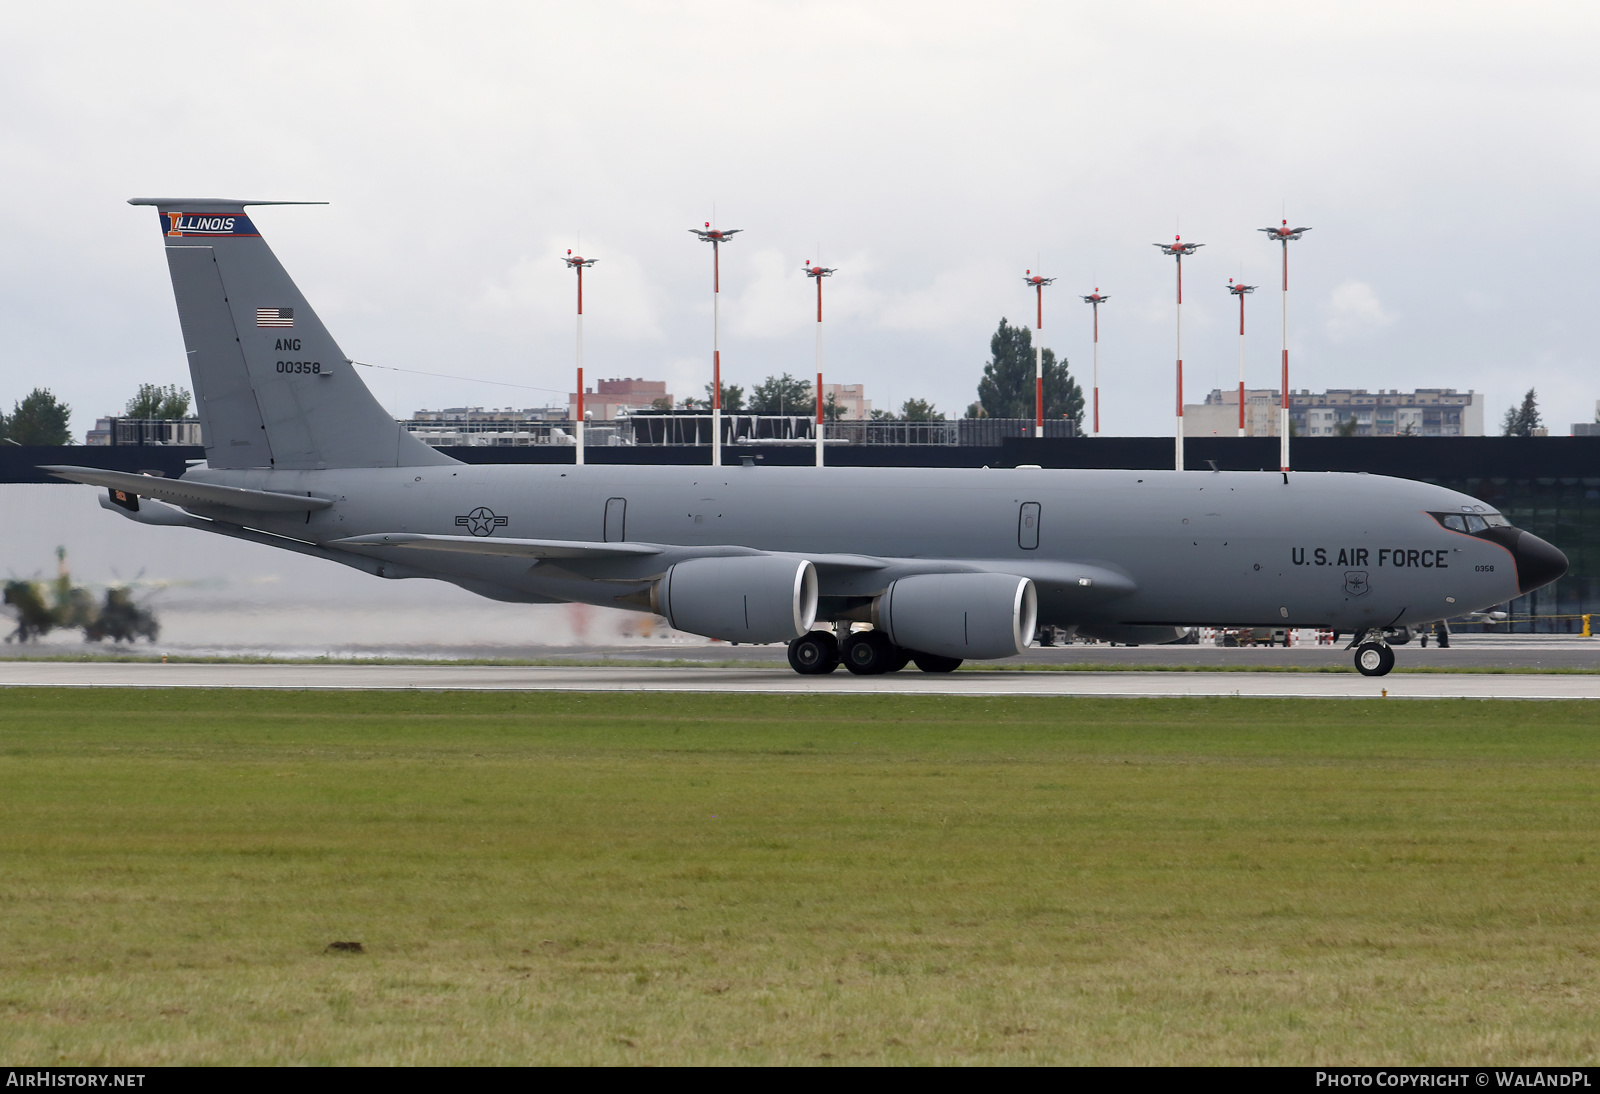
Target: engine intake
column 970, row 616
column 746, row 598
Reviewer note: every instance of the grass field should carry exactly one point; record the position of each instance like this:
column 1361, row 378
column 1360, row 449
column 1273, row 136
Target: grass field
column 754, row 879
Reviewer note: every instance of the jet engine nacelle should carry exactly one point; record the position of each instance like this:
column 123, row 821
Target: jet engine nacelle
column 747, row 598
column 969, row 616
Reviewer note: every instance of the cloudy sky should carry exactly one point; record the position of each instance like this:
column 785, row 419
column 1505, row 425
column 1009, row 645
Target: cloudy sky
column 1446, row 155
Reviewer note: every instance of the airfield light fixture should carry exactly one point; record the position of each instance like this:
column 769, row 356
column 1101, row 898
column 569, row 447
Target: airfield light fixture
column 1094, row 300
column 1178, row 249
column 577, row 263
column 817, row 273
column 1038, row 283
column 1240, row 290
column 716, row 237
column 1283, row 234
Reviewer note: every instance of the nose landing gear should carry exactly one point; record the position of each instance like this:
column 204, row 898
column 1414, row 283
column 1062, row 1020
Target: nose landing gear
column 1373, row 656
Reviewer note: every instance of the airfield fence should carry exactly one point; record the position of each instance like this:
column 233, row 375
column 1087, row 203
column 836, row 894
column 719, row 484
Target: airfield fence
column 666, row 428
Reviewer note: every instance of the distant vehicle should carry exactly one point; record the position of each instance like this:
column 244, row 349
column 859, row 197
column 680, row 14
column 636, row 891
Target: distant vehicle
column 945, row 564
column 122, row 619
column 62, row 605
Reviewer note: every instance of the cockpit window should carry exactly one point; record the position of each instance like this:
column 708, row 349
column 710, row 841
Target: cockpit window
column 1469, row 522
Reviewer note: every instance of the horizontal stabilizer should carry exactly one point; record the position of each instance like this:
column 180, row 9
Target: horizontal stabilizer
column 221, row 203
column 187, row 493
column 508, row 548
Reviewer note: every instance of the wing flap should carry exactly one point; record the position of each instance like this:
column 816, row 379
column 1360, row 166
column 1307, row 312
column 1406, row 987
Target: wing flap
column 188, row 493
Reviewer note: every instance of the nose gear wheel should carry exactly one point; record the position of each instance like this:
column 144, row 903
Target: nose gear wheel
column 1374, row 659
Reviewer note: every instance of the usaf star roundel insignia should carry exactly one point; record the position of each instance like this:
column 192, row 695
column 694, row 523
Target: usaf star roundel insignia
column 482, row 521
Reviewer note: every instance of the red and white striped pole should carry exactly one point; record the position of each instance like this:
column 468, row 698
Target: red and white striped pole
column 1240, row 291
column 819, row 426
column 1283, row 234
column 1178, row 249
column 817, row 273
column 716, row 356
column 1038, row 283
column 716, row 237
column 1094, row 300
column 578, row 262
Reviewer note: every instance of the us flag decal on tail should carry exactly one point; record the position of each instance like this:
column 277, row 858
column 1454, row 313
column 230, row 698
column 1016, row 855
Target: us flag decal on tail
column 274, row 317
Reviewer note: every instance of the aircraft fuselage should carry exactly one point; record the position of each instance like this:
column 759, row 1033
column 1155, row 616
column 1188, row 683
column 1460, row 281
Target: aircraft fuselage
column 1102, row 546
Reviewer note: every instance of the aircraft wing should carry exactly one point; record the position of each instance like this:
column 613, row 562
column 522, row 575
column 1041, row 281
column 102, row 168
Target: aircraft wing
column 505, row 548
column 581, row 549
column 188, row 493
column 1079, row 574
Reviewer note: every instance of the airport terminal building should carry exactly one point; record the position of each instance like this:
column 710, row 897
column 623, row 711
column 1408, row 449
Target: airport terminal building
column 1353, row 412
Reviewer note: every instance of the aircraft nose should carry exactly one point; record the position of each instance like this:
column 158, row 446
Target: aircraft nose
column 1538, row 563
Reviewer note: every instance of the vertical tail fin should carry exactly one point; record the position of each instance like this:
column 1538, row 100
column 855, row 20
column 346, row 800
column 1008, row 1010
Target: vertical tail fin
column 272, row 387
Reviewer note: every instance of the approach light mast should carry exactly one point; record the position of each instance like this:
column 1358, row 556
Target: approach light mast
column 1240, row 290
column 1179, row 250
column 577, row 263
column 1038, row 283
column 1283, row 234
column 1094, row 300
column 716, row 237
column 817, row 273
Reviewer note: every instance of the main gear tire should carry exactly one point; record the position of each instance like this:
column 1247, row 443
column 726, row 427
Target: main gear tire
column 1374, row 659
column 868, row 653
column 814, row 654
column 932, row 662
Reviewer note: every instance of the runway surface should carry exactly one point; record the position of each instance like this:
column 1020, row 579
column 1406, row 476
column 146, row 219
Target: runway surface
column 783, row 682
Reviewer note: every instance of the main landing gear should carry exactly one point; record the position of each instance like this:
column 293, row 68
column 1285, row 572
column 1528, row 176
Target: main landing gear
column 814, row 654
column 864, row 653
column 1373, row 656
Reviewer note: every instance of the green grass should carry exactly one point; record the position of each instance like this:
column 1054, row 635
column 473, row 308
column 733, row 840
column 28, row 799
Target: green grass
column 596, row 878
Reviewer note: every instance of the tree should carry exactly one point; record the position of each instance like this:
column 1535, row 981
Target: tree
column 732, row 399
column 975, row 410
column 155, row 401
column 39, row 419
column 916, row 410
column 1521, row 421
column 1006, row 390
column 1347, row 428
column 783, row 395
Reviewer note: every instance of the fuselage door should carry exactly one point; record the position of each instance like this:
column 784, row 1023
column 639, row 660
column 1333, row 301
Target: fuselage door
column 616, row 520
column 1028, row 526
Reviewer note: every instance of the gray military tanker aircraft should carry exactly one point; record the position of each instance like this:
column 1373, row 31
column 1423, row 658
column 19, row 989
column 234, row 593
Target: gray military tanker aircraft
column 945, row 564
